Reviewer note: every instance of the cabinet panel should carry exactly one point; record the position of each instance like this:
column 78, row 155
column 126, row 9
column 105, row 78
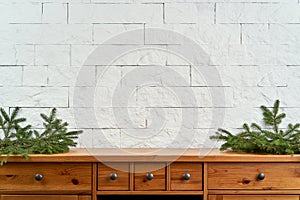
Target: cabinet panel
column 113, row 176
column 75, row 177
column 142, row 182
column 246, row 176
column 44, row 197
column 186, row 176
column 253, row 197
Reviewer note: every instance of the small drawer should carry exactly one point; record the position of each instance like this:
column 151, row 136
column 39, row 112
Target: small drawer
column 150, row 176
column 186, row 176
column 266, row 176
column 113, row 176
column 75, row 177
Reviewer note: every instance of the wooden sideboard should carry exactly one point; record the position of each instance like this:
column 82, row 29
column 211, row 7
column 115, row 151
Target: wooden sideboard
column 108, row 174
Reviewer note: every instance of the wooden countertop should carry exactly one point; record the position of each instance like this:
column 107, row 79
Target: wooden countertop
column 153, row 155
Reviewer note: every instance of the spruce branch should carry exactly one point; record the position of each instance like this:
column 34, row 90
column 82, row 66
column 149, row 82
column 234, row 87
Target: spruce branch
column 23, row 140
column 255, row 139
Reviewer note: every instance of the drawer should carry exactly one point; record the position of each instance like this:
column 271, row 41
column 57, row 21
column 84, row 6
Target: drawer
column 75, row 177
column 253, row 197
column 44, row 197
column 113, row 176
column 186, row 176
column 246, row 176
column 150, row 176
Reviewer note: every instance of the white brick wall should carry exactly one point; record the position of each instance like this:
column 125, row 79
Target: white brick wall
column 55, row 53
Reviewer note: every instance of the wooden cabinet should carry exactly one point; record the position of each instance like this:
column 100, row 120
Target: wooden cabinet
column 109, row 174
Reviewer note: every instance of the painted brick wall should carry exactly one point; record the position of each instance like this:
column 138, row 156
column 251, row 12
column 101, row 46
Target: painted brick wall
column 54, row 53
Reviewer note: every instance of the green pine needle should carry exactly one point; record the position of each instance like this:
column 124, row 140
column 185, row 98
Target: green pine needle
column 255, row 139
column 23, row 140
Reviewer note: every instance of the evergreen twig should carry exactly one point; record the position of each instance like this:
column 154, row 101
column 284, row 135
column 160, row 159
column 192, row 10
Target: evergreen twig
column 23, row 140
column 255, row 139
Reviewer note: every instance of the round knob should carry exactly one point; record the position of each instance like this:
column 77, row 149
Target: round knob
column 149, row 176
column 186, row 176
column 113, row 176
column 261, row 176
column 38, row 177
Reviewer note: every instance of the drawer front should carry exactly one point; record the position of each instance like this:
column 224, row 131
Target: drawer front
column 44, row 197
column 113, row 176
column 253, row 197
column 186, row 176
column 75, row 177
column 141, row 182
column 265, row 176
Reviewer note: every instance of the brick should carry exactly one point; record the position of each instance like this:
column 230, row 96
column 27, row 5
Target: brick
column 106, row 118
column 54, row 13
column 271, row 34
column 69, row 76
column 11, row 76
column 34, row 97
column 118, row 55
column 256, row 96
column 197, row 55
column 108, row 76
column 58, row 55
column 248, row 76
column 80, row 53
column 118, row 33
column 53, row 1
column 155, row 75
column 106, row 138
column 257, row 13
column 260, row 54
column 149, row 138
column 197, row 13
column 102, row 97
column 85, row 139
column 7, row 54
column 20, row 13
column 116, row 13
column 35, row 75
column 256, row 34
column 33, row 117
column 46, row 34
column 25, row 54
column 175, row 97
column 212, row 1
column 198, row 33
column 81, row 97
column 170, row 118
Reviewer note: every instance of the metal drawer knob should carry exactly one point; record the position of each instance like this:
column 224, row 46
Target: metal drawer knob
column 186, row 176
column 149, row 176
column 38, row 177
column 113, row 176
column 261, row 176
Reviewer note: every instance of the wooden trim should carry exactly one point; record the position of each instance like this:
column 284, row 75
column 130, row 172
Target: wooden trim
column 205, row 178
column 94, row 181
column 152, row 155
column 131, row 176
column 168, row 177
